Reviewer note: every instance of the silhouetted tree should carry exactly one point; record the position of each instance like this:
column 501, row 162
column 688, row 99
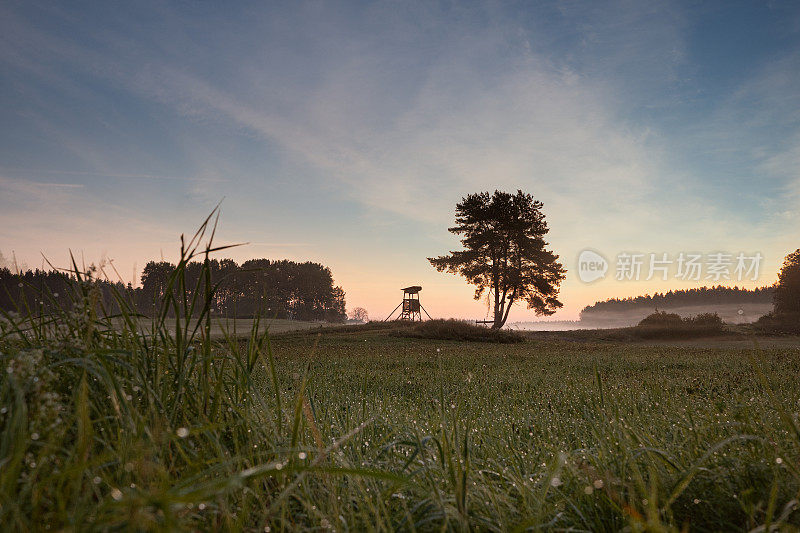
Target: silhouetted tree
column 505, row 252
column 359, row 314
column 787, row 291
column 155, row 277
column 336, row 312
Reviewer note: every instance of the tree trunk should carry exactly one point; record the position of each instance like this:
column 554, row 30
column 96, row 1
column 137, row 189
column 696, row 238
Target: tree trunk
column 497, row 311
column 499, row 306
column 500, row 319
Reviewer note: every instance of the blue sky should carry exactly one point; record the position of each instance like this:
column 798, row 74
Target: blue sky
column 346, row 132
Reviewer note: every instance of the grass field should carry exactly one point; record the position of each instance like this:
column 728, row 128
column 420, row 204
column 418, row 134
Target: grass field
column 563, row 435
column 106, row 425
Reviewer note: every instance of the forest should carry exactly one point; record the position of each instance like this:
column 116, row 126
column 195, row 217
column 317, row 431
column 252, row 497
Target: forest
column 684, row 297
column 271, row 288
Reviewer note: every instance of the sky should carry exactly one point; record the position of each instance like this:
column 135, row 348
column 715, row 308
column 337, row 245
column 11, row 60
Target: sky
column 346, row 132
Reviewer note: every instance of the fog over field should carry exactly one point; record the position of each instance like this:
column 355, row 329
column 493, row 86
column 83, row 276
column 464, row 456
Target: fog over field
column 730, row 313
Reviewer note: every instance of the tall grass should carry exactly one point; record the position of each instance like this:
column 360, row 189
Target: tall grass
column 119, row 421
column 134, row 423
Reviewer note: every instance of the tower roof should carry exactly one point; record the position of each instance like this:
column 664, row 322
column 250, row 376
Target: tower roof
column 414, row 289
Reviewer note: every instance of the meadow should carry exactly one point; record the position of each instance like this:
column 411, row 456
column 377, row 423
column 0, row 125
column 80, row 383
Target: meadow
column 137, row 423
column 222, row 327
column 553, row 435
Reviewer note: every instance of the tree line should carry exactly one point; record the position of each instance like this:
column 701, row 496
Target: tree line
column 275, row 289
column 719, row 294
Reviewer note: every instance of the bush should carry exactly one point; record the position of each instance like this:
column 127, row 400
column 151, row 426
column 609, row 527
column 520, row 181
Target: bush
column 705, row 320
column 662, row 319
column 670, row 325
column 458, row 330
column 778, row 324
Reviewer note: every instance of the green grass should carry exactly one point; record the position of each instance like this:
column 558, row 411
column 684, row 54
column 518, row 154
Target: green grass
column 154, row 425
column 676, row 436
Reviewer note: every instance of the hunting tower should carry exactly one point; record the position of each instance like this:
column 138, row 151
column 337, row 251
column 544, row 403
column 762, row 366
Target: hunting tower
column 411, row 305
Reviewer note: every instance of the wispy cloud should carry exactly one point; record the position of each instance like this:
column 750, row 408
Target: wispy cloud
column 16, row 189
column 111, row 175
column 529, row 124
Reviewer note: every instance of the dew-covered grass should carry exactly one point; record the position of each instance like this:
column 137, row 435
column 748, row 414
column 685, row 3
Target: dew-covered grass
column 137, row 423
column 565, row 435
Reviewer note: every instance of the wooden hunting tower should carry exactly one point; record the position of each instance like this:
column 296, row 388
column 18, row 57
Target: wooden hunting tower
column 410, row 305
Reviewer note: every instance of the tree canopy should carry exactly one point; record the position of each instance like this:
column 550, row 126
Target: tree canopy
column 505, row 252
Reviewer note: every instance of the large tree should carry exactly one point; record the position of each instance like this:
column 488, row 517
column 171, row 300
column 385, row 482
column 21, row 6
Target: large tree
column 787, row 291
column 505, row 252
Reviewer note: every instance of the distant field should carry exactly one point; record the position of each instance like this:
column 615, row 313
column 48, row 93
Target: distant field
column 739, row 337
column 243, row 326
column 275, row 325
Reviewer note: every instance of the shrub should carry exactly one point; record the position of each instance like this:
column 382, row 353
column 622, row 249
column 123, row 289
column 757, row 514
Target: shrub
column 778, row 324
column 458, row 330
column 705, row 320
column 670, row 325
column 662, row 319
